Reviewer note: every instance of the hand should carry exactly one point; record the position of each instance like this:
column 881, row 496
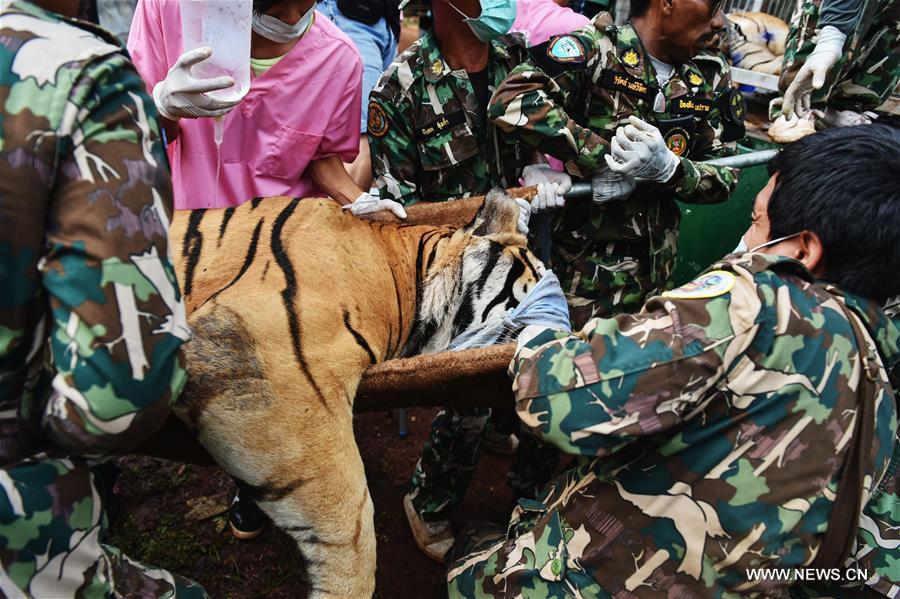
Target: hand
column 524, row 215
column 180, row 94
column 609, row 186
column 551, row 186
column 812, row 74
column 638, row 149
column 366, row 203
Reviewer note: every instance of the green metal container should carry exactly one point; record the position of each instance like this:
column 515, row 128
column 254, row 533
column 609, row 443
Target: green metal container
column 708, row 232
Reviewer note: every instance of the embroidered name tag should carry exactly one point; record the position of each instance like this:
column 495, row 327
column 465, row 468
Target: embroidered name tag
column 626, row 83
column 443, row 123
column 687, row 104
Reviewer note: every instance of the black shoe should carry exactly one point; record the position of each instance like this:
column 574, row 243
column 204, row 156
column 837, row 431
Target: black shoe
column 245, row 517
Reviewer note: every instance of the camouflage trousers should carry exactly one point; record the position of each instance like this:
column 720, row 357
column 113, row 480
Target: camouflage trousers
column 868, row 71
column 52, row 539
column 444, row 471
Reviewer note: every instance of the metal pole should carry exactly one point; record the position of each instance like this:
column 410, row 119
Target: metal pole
column 582, row 189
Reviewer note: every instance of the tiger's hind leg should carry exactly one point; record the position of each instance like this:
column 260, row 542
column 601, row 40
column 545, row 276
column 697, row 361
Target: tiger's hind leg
column 329, row 514
column 264, row 424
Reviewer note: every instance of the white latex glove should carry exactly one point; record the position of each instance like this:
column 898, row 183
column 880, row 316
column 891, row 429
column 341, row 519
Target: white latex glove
column 366, row 203
column 812, row 74
column 638, row 149
column 181, row 94
column 609, row 186
column 524, row 215
column 552, row 186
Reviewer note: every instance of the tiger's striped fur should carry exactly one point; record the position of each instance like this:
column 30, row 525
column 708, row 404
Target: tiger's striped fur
column 290, row 301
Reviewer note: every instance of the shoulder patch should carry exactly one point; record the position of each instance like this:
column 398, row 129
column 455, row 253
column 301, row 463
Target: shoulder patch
column 709, row 285
column 565, row 49
column 630, row 58
column 694, row 79
column 378, row 122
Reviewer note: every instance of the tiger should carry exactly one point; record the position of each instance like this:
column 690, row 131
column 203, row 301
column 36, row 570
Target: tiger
column 290, row 301
column 756, row 41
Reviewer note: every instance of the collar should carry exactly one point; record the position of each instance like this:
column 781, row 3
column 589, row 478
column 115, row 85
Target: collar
column 884, row 331
column 435, row 68
column 634, row 58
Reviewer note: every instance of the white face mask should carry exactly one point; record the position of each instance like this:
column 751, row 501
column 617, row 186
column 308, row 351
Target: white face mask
column 742, row 245
column 277, row 30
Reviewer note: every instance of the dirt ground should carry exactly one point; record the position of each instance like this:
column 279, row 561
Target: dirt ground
column 174, row 517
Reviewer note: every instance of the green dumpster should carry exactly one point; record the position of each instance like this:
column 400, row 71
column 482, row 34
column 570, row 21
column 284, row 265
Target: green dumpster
column 708, row 232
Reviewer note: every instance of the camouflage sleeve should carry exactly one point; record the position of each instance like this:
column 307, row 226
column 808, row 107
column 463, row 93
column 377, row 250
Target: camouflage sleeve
column 623, row 378
column 703, row 183
column 395, row 157
column 117, row 320
column 534, row 101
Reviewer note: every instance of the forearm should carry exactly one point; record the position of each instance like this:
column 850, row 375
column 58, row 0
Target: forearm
column 841, row 14
column 697, row 183
column 331, row 177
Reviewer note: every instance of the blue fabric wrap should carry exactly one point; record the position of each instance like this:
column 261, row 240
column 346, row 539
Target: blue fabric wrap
column 544, row 305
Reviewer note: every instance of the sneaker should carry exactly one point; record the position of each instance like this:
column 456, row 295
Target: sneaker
column 245, row 517
column 433, row 538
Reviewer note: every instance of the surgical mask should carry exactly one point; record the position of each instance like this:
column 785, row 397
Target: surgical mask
column 496, row 19
column 278, row 31
column 742, row 245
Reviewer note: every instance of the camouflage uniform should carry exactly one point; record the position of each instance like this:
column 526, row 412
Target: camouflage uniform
column 568, row 100
column 868, row 71
column 91, row 319
column 429, row 138
column 711, row 430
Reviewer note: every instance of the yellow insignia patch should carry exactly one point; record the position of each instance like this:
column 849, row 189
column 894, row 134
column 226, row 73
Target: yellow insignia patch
column 630, row 58
column 436, row 67
column 712, row 284
column 695, row 79
column 378, row 122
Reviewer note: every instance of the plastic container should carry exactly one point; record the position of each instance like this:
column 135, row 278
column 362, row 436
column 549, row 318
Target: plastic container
column 224, row 26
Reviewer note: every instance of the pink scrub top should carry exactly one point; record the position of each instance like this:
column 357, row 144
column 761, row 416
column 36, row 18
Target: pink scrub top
column 539, row 20
column 305, row 107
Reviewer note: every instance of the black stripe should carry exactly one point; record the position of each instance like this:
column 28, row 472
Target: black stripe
column 399, row 312
column 265, row 270
column 226, row 218
column 515, row 271
column 495, row 250
column 523, row 254
column 254, row 203
column 271, row 492
column 466, row 313
column 191, row 248
column 359, row 338
column 289, row 293
column 248, row 260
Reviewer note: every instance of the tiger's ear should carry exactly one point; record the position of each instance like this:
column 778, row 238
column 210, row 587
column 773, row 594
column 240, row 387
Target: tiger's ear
column 498, row 216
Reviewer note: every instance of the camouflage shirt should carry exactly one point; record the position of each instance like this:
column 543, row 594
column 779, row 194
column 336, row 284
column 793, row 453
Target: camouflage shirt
column 429, row 138
column 91, row 319
column 568, row 99
column 711, row 428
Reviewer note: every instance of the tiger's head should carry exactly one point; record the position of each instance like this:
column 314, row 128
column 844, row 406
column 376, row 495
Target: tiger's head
column 473, row 276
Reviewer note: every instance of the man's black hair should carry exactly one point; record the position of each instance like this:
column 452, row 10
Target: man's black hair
column 638, row 8
column 843, row 184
